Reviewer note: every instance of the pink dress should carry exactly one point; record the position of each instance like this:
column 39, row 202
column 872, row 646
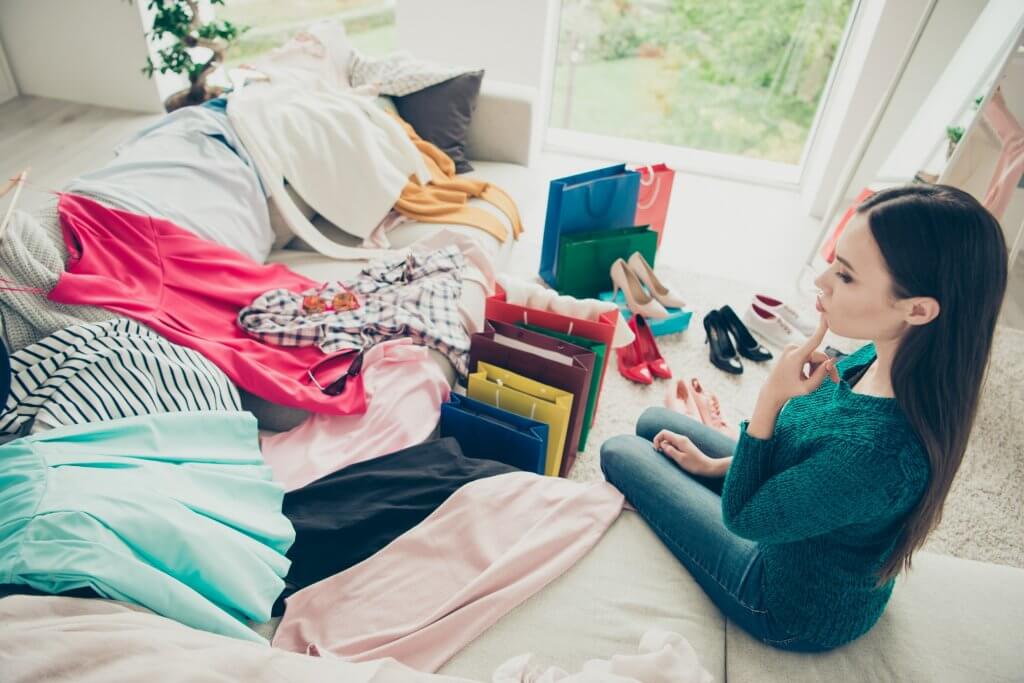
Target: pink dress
column 431, row 591
column 189, row 290
column 404, row 393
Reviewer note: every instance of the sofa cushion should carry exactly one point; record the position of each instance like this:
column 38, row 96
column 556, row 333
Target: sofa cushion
column 627, row 584
column 949, row 619
column 441, row 114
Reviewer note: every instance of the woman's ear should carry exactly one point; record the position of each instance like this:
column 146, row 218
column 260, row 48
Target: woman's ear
column 920, row 310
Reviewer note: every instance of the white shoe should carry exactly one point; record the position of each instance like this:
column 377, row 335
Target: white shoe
column 803, row 323
column 771, row 327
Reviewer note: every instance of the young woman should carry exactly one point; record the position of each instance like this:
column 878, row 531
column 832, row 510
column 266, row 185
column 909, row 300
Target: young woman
column 798, row 529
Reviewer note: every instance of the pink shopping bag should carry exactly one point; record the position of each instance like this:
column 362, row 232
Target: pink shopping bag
column 652, row 201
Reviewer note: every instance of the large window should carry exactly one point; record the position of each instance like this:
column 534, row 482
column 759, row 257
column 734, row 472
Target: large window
column 370, row 24
column 738, row 77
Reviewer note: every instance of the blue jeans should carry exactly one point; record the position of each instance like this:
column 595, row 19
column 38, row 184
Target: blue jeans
column 685, row 511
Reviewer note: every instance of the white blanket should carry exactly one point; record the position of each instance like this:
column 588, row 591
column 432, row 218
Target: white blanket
column 82, row 640
column 340, row 152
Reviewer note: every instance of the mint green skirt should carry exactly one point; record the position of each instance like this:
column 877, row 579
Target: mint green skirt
column 175, row 512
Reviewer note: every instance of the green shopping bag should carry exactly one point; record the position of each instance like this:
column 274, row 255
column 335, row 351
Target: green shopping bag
column 585, row 258
column 599, row 350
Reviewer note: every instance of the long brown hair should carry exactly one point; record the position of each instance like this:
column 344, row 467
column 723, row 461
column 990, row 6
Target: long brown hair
column 940, row 242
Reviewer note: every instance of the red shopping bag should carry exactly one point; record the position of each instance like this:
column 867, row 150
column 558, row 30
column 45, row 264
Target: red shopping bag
column 828, row 250
column 601, row 330
column 652, row 201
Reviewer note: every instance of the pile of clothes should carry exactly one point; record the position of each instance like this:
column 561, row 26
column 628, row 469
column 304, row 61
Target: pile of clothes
column 138, row 314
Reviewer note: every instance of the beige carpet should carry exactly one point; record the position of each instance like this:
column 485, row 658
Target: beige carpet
column 984, row 514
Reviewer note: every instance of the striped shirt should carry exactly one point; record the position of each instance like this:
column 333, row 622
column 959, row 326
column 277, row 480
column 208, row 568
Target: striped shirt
column 105, row 371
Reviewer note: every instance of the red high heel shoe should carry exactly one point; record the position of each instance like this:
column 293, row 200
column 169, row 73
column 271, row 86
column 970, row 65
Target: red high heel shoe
column 648, row 348
column 631, row 363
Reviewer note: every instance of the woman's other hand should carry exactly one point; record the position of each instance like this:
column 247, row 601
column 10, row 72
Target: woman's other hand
column 800, row 369
column 682, row 452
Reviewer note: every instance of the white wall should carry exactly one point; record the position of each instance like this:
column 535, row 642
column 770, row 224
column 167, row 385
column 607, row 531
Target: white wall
column 512, row 40
column 874, row 49
column 84, row 51
column 981, row 39
column 8, row 89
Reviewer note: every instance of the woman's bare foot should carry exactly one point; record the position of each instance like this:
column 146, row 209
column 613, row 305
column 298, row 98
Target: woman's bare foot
column 720, row 423
column 710, row 410
column 679, row 398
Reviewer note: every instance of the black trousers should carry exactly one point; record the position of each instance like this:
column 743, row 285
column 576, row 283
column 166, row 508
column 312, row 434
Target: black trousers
column 343, row 518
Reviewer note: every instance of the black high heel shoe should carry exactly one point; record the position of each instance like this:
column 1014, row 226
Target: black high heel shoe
column 745, row 342
column 722, row 353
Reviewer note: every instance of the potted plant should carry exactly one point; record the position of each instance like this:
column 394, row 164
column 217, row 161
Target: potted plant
column 953, row 135
column 183, row 39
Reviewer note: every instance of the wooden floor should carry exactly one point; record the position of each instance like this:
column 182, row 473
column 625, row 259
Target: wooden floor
column 58, row 140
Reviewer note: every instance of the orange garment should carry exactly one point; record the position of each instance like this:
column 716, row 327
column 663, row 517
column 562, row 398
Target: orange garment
column 445, row 199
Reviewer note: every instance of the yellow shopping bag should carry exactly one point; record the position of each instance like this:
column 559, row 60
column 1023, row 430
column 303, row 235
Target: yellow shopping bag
column 529, row 398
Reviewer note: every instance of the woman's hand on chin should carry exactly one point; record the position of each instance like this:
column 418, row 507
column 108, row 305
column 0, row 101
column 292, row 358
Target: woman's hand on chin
column 799, row 370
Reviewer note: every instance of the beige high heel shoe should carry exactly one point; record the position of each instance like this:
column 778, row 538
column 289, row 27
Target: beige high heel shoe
column 662, row 294
column 637, row 298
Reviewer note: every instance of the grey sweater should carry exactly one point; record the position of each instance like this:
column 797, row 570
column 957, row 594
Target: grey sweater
column 33, row 255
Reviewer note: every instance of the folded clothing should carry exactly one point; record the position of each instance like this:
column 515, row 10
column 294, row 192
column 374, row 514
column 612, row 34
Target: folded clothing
column 105, row 371
column 190, row 168
column 131, row 509
column 404, row 392
column 489, row 547
column 189, row 290
column 346, row 517
column 445, row 199
column 526, row 293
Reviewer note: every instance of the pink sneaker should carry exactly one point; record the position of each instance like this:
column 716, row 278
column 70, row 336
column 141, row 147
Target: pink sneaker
column 804, row 324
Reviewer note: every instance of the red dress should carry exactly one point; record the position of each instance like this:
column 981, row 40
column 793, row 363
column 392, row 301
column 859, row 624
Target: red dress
column 190, row 291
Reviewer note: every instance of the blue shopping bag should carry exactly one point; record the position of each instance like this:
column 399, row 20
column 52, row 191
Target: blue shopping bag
column 595, row 200
column 490, row 433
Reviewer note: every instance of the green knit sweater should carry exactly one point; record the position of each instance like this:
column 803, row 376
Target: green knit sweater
column 825, row 499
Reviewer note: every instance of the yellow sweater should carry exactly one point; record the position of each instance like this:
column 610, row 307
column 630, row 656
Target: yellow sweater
column 445, row 199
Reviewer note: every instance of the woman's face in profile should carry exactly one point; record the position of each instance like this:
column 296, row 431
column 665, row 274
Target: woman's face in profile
column 856, row 291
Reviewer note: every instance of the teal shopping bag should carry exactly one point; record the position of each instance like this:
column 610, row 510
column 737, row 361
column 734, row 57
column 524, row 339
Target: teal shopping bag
column 595, row 200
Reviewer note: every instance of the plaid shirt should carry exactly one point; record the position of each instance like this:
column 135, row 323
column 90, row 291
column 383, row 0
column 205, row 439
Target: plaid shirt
column 414, row 296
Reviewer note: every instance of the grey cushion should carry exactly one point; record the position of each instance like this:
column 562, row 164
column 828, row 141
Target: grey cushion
column 441, row 114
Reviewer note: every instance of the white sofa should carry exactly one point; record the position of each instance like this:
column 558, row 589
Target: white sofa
column 949, row 619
